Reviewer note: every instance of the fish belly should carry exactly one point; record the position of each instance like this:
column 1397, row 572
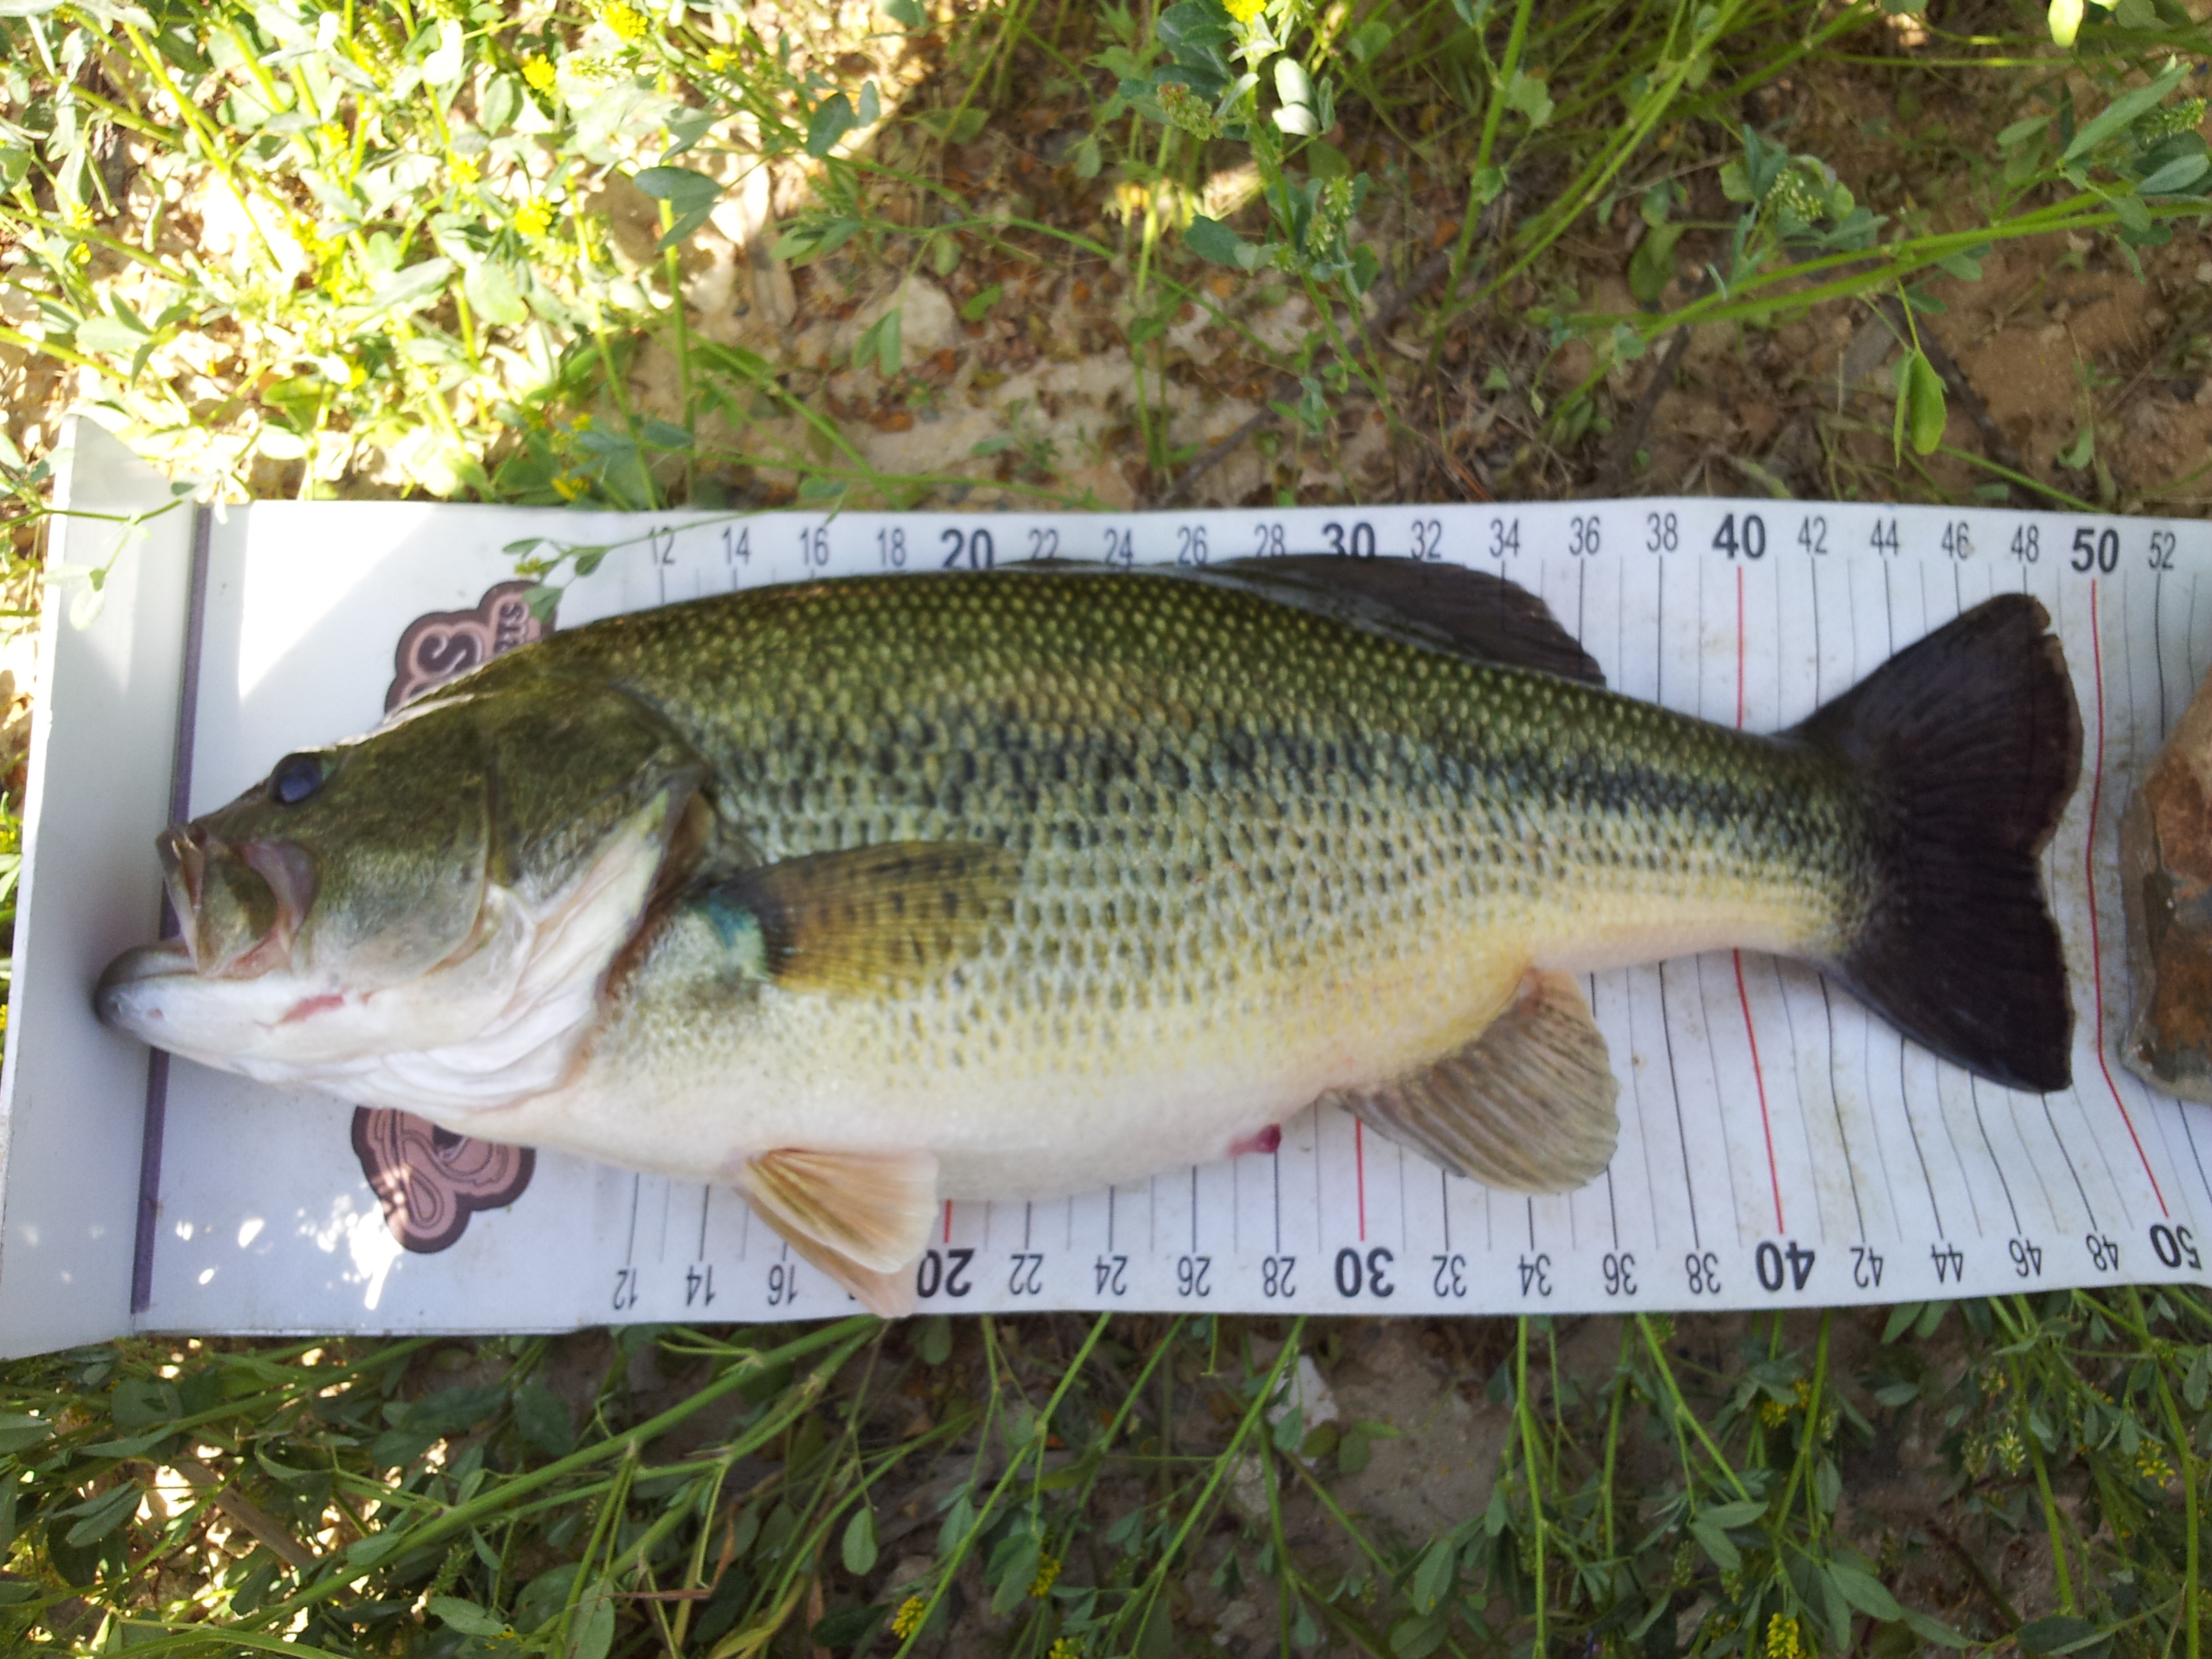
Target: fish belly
column 1013, row 1101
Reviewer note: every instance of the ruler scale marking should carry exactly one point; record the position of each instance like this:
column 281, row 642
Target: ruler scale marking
column 1791, row 653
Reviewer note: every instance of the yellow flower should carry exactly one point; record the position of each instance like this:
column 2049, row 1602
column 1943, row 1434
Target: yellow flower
column 908, row 1618
column 533, row 219
column 1784, row 1639
column 464, row 170
column 721, row 59
column 1773, row 1412
column 1244, row 11
column 2151, row 1464
column 540, row 73
column 629, row 24
column 581, row 423
column 1064, row 1649
column 570, row 487
column 1048, row 1571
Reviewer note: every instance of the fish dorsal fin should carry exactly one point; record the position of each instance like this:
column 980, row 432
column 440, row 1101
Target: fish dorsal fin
column 862, row 1218
column 873, row 921
column 1434, row 605
column 1527, row 1106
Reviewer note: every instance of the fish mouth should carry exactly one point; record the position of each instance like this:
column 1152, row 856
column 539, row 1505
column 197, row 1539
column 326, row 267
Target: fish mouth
column 127, row 997
column 241, row 905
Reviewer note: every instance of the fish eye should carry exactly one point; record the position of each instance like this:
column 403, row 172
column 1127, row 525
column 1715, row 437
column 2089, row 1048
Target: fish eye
column 296, row 777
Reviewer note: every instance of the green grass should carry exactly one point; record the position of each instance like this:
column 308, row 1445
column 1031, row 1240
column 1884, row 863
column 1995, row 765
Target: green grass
column 375, row 249
column 386, row 249
column 1053, row 1485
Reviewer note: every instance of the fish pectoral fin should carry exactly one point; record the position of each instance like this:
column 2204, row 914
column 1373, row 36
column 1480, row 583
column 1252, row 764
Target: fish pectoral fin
column 862, row 1218
column 875, row 921
column 1527, row 1106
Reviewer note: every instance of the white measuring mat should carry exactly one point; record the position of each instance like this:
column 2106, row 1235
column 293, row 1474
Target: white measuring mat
column 1779, row 1145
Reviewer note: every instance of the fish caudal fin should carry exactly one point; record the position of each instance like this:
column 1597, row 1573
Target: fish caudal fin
column 1527, row 1106
column 1970, row 744
column 861, row 1218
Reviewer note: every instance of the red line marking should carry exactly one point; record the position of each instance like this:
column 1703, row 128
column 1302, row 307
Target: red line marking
column 1743, row 997
column 2089, row 871
column 948, row 1221
column 1773, row 1174
column 1359, row 1172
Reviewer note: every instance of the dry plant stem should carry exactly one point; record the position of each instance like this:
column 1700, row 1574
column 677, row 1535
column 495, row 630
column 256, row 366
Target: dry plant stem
column 255, row 1641
column 1980, row 1574
column 2178, row 340
column 246, row 1513
column 1385, row 318
column 1204, row 1502
column 1615, row 478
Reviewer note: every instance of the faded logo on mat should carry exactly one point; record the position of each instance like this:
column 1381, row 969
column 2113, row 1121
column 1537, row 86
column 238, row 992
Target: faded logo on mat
column 430, row 1181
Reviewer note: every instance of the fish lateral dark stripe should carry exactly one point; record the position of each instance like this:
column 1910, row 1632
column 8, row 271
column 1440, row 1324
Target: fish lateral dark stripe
column 1970, row 745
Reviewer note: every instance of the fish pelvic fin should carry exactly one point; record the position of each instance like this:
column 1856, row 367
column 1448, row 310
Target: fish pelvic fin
column 861, row 1218
column 871, row 920
column 1527, row 1106
column 1969, row 744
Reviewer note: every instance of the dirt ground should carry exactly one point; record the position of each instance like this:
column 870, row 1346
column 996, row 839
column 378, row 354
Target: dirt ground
column 2059, row 335
column 1429, row 1384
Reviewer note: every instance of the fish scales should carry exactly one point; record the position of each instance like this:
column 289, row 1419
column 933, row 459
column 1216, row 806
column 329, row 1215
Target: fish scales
column 863, row 894
column 1262, row 853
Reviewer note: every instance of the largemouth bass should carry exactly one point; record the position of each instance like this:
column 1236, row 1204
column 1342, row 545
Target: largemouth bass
column 861, row 894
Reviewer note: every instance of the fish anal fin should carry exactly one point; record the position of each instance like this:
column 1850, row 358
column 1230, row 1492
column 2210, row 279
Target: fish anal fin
column 861, row 1218
column 886, row 1295
column 1472, row 611
column 1527, row 1106
column 873, row 921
